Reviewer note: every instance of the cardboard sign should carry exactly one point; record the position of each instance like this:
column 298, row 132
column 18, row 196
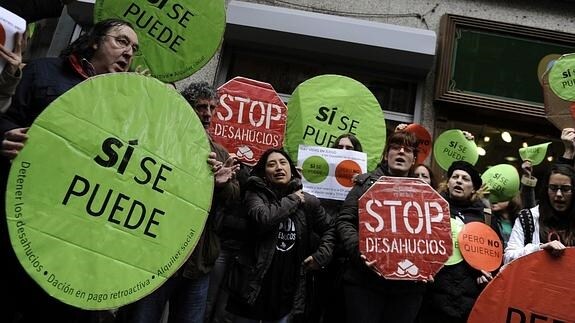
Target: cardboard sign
column 250, row 119
column 424, row 138
column 559, row 92
column 535, row 154
column 451, row 146
column 404, row 224
column 177, row 37
column 534, row 288
column 502, row 181
column 111, row 192
column 327, row 172
column 480, row 246
column 9, row 25
column 327, row 106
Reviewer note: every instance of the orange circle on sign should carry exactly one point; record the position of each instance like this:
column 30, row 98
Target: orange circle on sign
column 480, row 246
column 424, row 138
column 534, row 288
column 345, row 171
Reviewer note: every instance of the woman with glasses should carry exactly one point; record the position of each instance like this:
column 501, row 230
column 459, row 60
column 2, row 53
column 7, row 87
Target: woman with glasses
column 553, row 221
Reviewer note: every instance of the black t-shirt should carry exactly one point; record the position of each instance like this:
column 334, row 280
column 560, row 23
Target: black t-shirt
column 275, row 299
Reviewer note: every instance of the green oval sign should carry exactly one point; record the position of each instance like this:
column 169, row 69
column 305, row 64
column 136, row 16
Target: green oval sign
column 456, row 256
column 502, row 181
column 535, row 154
column 324, row 107
column 177, row 37
column 111, row 192
column 562, row 77
column 315, row 169
column 451, row 146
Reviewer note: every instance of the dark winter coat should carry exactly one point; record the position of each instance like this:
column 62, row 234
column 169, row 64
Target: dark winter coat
column 265, row 211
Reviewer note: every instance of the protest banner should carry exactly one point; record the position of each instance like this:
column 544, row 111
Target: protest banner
column 10, row 24
column 176, row 37
column 502, row 181
column 534, row 288
column 424, row 139
column 328, row 172
column 559, row 91
column 480, row 246
column 249, row 119
column 327, row 106
column 111, row 192
column 452, row 145
column 404, row 224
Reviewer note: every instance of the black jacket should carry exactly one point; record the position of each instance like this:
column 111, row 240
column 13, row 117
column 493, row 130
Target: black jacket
column 265, row 211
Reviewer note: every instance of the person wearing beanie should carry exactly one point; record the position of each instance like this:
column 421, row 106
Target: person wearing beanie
column 456, row 286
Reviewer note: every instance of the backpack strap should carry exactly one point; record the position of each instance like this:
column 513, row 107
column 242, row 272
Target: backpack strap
column 526, row 220
column 487, row 215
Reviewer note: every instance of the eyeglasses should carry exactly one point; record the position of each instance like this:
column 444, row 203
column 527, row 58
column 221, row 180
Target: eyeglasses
column 398, row 147
column 121, row 42
column 563, row 188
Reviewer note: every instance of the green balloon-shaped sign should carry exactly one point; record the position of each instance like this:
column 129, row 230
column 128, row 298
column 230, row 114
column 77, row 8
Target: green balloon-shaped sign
column 324, row 107
column 534, row 154
column 177, row 37
column 111, row 192
column 562, row 77
column 451, row 146
column 502, row 181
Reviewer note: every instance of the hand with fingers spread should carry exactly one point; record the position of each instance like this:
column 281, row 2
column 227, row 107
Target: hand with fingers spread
column 13, row 58
column 13, row 142
column 223, row 172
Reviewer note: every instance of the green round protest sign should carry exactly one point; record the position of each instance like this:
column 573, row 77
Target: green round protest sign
column 502, row 181
column 315, row 169
column 324, row 107
column 452, row 146
column 111, row 192
column 562, row 77
column 535, row 154
column 176, row 37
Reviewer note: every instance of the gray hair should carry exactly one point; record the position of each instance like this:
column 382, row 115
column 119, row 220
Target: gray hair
column 199, row 91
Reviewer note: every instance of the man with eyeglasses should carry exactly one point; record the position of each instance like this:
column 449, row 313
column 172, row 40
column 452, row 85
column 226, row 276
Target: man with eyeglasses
column 368, row 296
column 108, row 47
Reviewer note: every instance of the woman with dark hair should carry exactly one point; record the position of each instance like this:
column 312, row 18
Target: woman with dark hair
column 347, row 141
column 368, row 296
column 549, row 225
column 505, row 213
column 424, row 172
column 267, row 280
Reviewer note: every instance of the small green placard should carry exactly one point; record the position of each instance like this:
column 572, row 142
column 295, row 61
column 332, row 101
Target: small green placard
column 324, row 107
column 562, row 77
column 315, row 169
column 534, row 154
column 452, row 145
column 177, row 37
column 502, row 181
column 456, row 227
column 111, row 192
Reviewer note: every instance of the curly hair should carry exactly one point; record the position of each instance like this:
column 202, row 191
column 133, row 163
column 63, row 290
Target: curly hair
column 84, row 45
column 199, row 91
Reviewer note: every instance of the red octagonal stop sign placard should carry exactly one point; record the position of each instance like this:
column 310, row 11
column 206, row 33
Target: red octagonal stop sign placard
column 404, row 225
column 250, row 118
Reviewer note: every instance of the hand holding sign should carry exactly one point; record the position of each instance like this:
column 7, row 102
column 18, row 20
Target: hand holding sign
column 502, row 181
column 535, row 154
column 13, row 58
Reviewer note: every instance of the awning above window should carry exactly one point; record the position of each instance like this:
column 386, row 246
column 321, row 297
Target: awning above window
column 398, row 48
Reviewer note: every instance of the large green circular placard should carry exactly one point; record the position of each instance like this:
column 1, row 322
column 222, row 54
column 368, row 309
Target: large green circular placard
column 562, row 77
column 177, row 37
column 111, row 192
column 324, row 107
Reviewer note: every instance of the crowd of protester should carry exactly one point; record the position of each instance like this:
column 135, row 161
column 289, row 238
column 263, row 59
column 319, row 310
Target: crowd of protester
column 270, row 252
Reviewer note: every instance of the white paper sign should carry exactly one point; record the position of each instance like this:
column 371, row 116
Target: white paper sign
column 9, row 25
column 328, row 173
